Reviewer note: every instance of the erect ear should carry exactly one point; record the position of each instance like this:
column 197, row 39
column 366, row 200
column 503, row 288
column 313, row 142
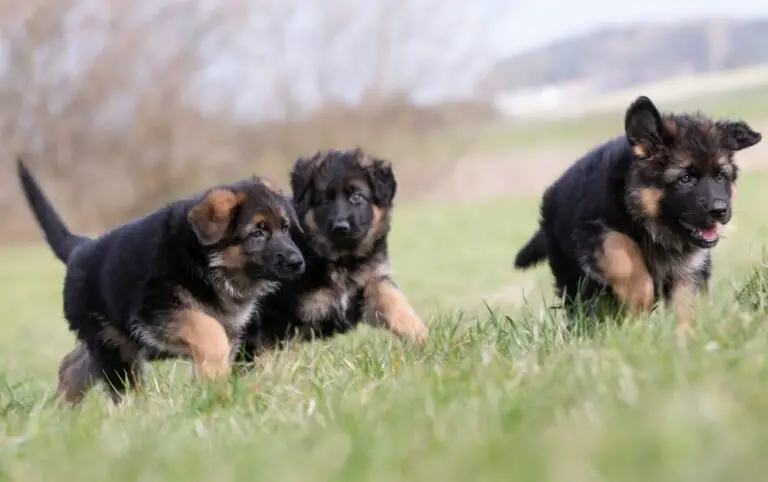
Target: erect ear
column 644, row 127
column 211, row 216
column 382, row 181
column 301, row 176
column 270, row 185
column 737, row 135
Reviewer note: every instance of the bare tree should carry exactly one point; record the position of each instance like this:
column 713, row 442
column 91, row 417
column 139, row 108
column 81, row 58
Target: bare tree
column 132, row 103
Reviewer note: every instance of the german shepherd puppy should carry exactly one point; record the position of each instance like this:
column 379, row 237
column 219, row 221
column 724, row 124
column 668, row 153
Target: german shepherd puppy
column 344, row 201
column 183, row 280
column 639, row 214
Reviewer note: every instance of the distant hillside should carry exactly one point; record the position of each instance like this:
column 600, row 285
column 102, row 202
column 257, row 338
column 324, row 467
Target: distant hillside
column 621, row 57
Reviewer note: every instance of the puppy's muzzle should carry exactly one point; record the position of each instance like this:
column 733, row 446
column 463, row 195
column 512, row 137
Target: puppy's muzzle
column 292, row 263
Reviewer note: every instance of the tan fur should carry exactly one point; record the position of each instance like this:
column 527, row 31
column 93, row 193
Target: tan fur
column 317, row 304
column 649, row 201
column 258, row 218
column 682, row 296
column 77, row 374
column 202, row 338
column 229, row 257
column 272, row 186
column 671, row 126
column 725, row 164
column 211, row 216
column 373, row 234
column 621, row 263
column 363, row 160
column 386, row 305
column 640, row 151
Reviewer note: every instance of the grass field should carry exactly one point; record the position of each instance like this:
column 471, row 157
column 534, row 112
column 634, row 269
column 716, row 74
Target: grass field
column 500, row 392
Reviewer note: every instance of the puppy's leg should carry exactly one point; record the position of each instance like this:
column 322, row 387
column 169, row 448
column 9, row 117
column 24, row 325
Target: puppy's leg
column 117, row 371
column 386, row 305
column 118, row 359
column 78, row 373
column 681, row 298
column 620, row 262
column 204, row 339
column 704, row 274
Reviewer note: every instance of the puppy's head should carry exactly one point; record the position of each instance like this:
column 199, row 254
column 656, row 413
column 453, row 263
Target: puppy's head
column 244, row 231
column 683, row 171
column 344, row 199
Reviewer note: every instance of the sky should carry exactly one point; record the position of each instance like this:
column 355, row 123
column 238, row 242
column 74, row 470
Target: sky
column 502, row 28
column 538, row 22
column 438, row 48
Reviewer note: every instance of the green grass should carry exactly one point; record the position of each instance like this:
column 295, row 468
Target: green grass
column 507, row 395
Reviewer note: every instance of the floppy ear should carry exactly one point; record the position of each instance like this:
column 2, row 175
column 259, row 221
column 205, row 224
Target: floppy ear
column 211, row 216
column 301, row 175
column 644, row 127
column 292, row 216
column 382, row 181
column 737, row 135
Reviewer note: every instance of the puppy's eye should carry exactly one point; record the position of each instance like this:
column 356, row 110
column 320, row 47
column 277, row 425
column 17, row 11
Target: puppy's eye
column 260, row 231
column 685, row 180
column 286, row 226
column 720, row 177
column 356, row 198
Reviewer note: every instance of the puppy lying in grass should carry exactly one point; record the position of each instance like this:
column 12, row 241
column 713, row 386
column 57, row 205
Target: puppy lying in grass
column 183, row 279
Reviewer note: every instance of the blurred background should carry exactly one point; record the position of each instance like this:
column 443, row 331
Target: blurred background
column 122, row 105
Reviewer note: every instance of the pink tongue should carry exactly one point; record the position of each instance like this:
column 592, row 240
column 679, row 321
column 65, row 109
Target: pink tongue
column 708, row 233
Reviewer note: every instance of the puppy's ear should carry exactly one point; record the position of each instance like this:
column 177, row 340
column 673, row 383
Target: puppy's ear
column 270, row 185
column 292, row 216
column 382, row 180
column 738, row 135
column 301, row 176
column 211, row 216
column 644, row 128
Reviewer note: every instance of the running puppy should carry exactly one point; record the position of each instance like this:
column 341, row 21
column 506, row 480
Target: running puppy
column 639, row 214
column 344, row 201
column 183, row 280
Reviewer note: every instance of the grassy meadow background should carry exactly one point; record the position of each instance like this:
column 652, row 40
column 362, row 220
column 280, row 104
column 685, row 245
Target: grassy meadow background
column 500, row 391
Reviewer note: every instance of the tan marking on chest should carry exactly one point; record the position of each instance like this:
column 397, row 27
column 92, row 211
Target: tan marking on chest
column 317, row 305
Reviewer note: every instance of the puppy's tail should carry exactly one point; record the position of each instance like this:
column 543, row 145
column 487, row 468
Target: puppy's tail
column 59, row 238
column 534, row 251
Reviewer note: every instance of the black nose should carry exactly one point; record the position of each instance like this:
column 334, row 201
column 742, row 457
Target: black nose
column 719, row 209
column 340, row 227
column 293, row 262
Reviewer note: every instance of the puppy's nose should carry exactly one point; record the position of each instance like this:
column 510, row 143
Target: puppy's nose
column 719, row 209
column 295, row 263
column 340, row 227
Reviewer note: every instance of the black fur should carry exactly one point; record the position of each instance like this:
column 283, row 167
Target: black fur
column 121, row 288
column 343, row 199
column 534, row 251
column 58, row 236
column 678, row 159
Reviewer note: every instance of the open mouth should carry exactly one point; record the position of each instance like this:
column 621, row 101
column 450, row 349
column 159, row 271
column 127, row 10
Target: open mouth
column 707, row 236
